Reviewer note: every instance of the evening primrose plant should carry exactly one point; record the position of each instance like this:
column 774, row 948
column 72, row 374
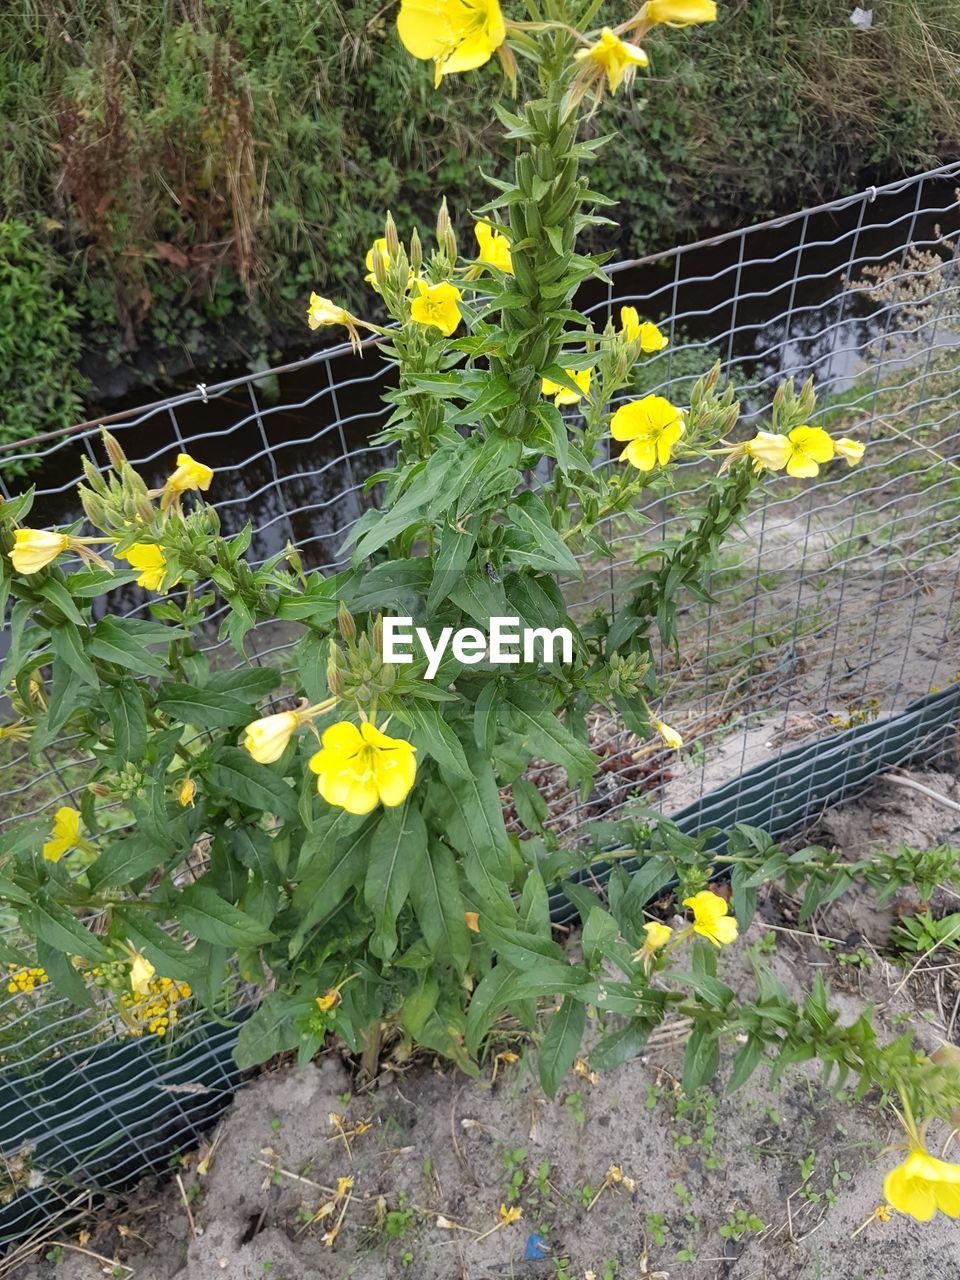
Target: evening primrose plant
column 333, row 830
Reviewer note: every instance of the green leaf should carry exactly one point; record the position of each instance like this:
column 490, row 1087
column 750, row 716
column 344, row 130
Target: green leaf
column 168, row 956
column 273, row 1028
column 126, row 859
column 57, row 594
column 561, row 1043
column 600, row 932
column 435, row 894
column 333, row 870
column 239, row 777
column 620, row 1046
column 249, row 683
column 53, row 923
column 701, row 1059
column 485, row 716
column 453, row 555
column 211, row 918
column 488, row 1000
column 434, row 735
column 518, row 948
column 204, row 707
column 68, row 647
column 546, row 737
column 397, row 853
column 116, row 640
column 473, row 815
column 746, row 1060
column 534, row 540
column 63, row 974
column 128, row 719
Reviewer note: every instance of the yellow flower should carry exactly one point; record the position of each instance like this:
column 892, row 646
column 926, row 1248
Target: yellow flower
column 653, row 426
column 329, row 998
column 323, row 311
column 710, row 918
column 34, row 549
column 646, row 333
column 669, row 735
column 768, row 451
column 458, row 35
column 150, row 563
column 922, row 1185
column 186, row 792
column 507, row 1216
column 472, row 920
column 141, row 975
column 563, row 395
column 679, row 13
column 437, row 307
column 617, row 58
column 850, row 450
column 658, row 935
column 809, row 446
column 65, row 834
column 357, row 769
column 266, row 739
column 189, row 474
column 494, row 247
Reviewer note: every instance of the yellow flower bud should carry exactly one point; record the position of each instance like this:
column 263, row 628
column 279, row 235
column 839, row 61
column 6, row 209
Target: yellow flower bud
column 266, row 739
column 322, row 311
column 34, row 549
column 679, row 13
column 186, row 792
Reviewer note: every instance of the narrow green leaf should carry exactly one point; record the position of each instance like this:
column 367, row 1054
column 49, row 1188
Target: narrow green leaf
column 561, row 1043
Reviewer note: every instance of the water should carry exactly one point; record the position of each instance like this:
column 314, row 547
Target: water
column 770, row 301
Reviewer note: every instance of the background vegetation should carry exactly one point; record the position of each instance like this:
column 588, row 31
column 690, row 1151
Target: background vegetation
column 185, row 171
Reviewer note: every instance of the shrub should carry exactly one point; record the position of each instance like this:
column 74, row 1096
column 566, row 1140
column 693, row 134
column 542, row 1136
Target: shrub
column 40, row 386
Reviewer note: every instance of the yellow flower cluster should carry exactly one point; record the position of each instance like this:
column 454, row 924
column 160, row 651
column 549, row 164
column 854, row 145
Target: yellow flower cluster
column 801, row 452
column 35, row 549
column 156, row 1010
column 24, row 980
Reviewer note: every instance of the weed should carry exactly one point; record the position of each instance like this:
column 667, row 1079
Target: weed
column 574, row 1104
column 740, row 1225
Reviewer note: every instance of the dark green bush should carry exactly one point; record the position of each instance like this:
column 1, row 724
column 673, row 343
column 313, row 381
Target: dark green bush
column 40, row 385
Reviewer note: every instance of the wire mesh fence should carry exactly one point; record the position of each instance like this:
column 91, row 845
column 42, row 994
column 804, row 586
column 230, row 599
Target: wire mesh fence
column 825, row 651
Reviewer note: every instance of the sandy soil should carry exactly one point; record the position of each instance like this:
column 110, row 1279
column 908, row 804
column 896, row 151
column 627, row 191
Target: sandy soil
column 442, row 1153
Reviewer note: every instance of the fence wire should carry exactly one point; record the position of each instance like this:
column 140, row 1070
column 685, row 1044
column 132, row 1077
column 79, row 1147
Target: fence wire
column 831, row 609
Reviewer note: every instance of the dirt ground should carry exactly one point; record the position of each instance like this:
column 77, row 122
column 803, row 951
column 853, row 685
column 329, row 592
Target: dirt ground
column 760, row 1185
